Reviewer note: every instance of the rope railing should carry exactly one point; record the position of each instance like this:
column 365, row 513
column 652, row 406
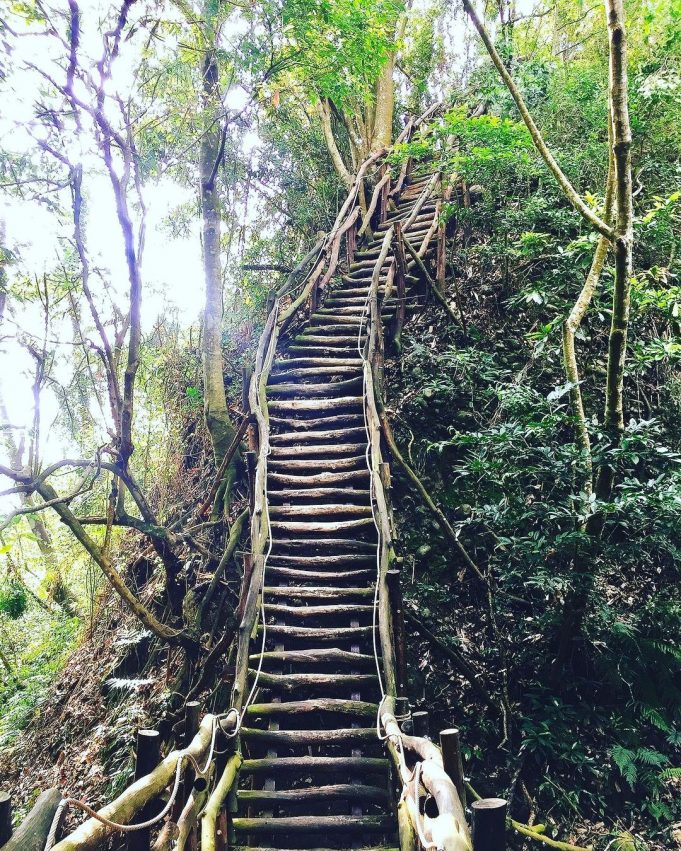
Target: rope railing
column 446, row 831
column 118, row 816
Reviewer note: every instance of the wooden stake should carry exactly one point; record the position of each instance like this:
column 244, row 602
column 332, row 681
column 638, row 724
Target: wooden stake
column 251, row 463
column 192, row 711
column 451, row 761
column 147, row 757
column 5, row 817
column 399, row 639
column 421, row 724
column 489, row 824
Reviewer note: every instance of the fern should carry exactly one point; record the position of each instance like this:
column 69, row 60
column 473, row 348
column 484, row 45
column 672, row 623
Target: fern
column 671, row 774
column 626, row 762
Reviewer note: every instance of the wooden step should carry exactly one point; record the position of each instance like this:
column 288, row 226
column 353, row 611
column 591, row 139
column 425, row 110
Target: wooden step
column 346, row 495
column 318, row 449
column 276, row 463
column 318, row 633
column 319, row 705
column 319, row 592
column 316, row 575
column 341, row 434
column 350, row 792
column 288, row 683
column 319, row 351
column 348, row 419
column 285, row 376
column 316, row 404
column 308, row 511
column 341, row 611
column 338, row 736
column 290, row 363
column 330, row 546
column 321, row 338
column 311, row 765
column 330, row 562
column 329, row 388
column 318, row 656
column 362, row 848
column 315, row 824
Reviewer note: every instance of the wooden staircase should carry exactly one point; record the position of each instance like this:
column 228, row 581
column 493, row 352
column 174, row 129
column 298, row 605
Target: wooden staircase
column 315, row 774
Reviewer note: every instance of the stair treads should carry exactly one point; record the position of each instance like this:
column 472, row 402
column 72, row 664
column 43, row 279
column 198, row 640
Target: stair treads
column 346, row 494
column 318, row 656
column 307, row 575
column 313, row 362
column 337, row 612
column 316, row 404
column 321, row 338
column 295, row 682
column 330, row 562
column 260, row 848
column 328, row 389
column 306, row 765
column 310, row 424
column 284, row 373
column 314, row 824
column 355, row 792
column 318, row 705
column 322, row 478
column 310, row 511
column 319, row 449
column 317, row 633
column 302, row 465
column 321, row 592
column 338, row 736
column 344, row 435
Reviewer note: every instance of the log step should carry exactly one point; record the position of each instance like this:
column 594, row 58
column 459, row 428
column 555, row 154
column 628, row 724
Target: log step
column 260, row 848
column 314, row 824
column 294, row 682
column 338, row 736
column 320, row 592
column 286, row 375
column 311, row 464
column 320, row 449
column 318, row 656
column 346, row 494
column 332, row 546
column 318, row 510
column 340, row 611
column 315, row 575
column 336, row 434
column 317, row 633
column 316, row 404
column 316, row 362
column 321, row 705
column 347, row 419
column 326, row 561
column 310, row 765
column 315, row 793
column 328, row 389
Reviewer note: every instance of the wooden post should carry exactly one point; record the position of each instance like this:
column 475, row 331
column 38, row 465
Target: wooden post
column 147, row 757
column 32, row 833
column 5, row 817
column 489, row 824
column 251, row 464
column 383, row 199
column 245, row 585
column 351, row 243
column 399, row 639
column 452, row 762
column 251, row 434
column 441, row 259
column 401, row 286
column 402, row 709
column 192, row 712
column 421, row 724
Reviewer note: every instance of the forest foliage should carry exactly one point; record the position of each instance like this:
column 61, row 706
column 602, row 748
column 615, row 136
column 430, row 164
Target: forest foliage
column 103, row 149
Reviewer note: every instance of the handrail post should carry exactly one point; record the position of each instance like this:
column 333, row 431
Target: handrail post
column 489, row 824
column 399, row 639
column 351, row 243
column 401, row 286
column 383, row 199
column 5, row 817
column 147, row 757
column 452, row 763
column 421, row 721
column 250, row 470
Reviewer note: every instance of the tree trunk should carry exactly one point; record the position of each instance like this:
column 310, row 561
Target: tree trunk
column 215, row 401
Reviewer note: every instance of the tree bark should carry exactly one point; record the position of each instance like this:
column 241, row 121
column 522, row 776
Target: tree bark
column 215, row 401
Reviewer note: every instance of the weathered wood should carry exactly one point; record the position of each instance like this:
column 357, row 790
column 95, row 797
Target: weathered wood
column 91, row 834
column 318, row 765
column 346, row 791
column 32, row 833
column 318, row 656
column 321, row 526
column 318, row 592
column 349, row 735
column 314, row 824
column 334, row 611
column 294, row 682
column 5, row 817
column 452, row 762
column 322, row 705
column 216, row 802
column 399, row 635
column 421, row 721
column 489, row 824
column 147, row 758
